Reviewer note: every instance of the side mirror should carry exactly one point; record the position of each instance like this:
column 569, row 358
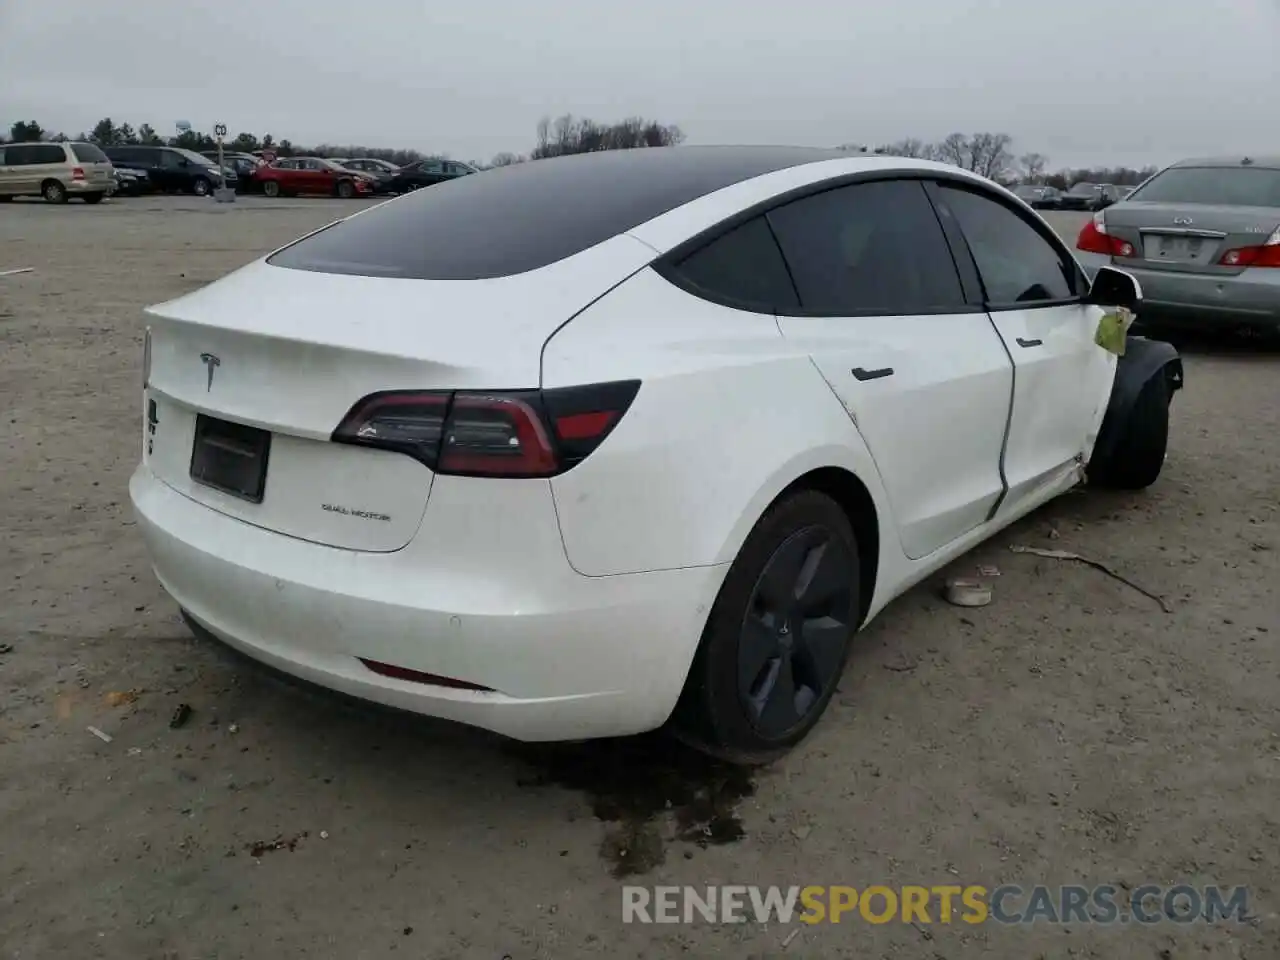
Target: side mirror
column 1115, row 288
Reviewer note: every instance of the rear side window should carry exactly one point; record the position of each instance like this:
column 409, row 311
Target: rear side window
column 742, row 268
column 88, row 153
column 869, row 249
column 1016, row 262
column 24, row 154
column 1229, row 186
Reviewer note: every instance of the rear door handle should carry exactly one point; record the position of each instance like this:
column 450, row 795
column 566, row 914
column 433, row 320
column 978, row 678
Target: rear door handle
column 1030, row 343
column 864, row 374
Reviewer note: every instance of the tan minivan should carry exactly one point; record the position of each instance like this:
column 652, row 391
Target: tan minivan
column 55, row 171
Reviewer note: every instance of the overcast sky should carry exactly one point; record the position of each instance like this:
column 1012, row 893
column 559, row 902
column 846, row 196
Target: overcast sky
column 1082, row 81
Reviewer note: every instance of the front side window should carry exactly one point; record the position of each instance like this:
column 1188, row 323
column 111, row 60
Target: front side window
column 742, row 268
column 869, row 249
column 1016, row 262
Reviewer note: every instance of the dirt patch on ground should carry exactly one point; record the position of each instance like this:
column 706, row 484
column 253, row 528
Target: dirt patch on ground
column 1069, row 733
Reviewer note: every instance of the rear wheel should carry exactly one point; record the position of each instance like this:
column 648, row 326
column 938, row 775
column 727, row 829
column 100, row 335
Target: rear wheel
column 270, row 188
column 53, row 191
column 775, row 644
column 1137, row 457
column 346, row 189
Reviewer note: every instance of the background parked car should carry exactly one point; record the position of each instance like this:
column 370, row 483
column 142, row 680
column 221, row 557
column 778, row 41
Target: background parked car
column 55, row 171
column 426, row 172
column 382, row 171
column 1038, row 196
column 291, row 176
column 1201, row 237
column 131, row 182
column 1090, row 196
column 174, row 170
column 245, row 166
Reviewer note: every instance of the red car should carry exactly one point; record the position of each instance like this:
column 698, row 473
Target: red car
column 290, row 176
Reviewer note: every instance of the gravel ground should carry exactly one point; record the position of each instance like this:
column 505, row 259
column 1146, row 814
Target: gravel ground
column 1071, row 732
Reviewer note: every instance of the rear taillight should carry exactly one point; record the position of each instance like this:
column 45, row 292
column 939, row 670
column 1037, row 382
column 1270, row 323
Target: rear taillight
column 1095, row 239
column 77, row 173
column 526, row 433
column 1263, row 255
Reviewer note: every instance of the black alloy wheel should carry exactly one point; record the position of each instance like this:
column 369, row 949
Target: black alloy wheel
column 793, row 637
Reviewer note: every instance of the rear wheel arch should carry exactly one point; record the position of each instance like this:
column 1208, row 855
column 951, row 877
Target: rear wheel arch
column 846, row 489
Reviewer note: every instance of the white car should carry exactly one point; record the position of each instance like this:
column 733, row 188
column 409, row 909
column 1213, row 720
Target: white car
column 576, row 447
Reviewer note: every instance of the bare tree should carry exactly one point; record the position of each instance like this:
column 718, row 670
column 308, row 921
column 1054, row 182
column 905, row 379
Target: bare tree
column 1033, row 166
column 954, row 150
column 989, row 154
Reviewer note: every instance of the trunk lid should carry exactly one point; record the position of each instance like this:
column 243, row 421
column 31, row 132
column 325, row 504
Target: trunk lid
column 289, row 352
column 1189, row 237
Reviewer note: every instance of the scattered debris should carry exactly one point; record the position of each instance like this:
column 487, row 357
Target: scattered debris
column 902, row 666
column 181, row 714
column 1096, row 564
column 10, row 273
column 801, row 833
column 790, row 936
column 968, row 593
column 135, row 751
column 120, row 698
column 104, row 737
column 234, row 728
column 281, row 842
column 6, row 648
column 324, row 834
column 988, row 570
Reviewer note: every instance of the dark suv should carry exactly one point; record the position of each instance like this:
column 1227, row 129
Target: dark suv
column 172, row 169
column 243, row 165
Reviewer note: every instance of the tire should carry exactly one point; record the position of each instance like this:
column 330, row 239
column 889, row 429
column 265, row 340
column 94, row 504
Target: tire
column 346, row 189
column 1138, row 455
column 772, row 652
column 53, row 191
column 5, row 198
column 270, row 188
column 201, row 187
column 93, row 197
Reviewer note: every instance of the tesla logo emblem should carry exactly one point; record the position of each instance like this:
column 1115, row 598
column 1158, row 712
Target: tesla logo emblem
column 1182, row 221
column 211, row 363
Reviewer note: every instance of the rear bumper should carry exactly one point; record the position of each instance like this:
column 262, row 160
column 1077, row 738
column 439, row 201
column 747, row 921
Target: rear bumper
column 77, row 187
column 1251, row 298
column 483, row 594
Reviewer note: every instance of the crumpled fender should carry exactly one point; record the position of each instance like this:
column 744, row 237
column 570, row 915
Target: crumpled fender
column 1142, row 360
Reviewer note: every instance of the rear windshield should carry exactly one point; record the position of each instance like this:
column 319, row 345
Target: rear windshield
column 88, row 153
column 1082, row 188
column 525, row 216
column 1229, row 186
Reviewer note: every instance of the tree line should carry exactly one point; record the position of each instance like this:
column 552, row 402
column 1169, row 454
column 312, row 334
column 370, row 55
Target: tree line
column 989, row 154
column 564, row 135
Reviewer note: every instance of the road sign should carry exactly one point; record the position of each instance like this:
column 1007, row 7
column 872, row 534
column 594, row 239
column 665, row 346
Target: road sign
column 220, row 130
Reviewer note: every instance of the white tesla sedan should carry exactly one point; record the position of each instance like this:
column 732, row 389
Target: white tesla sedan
column 575, row 447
